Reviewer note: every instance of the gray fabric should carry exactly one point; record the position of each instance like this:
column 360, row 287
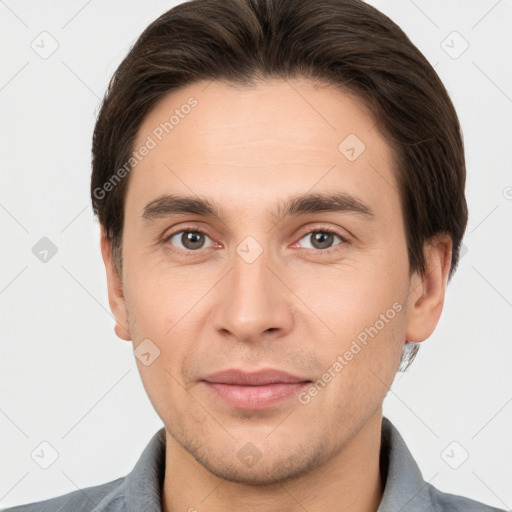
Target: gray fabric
column 405, row 490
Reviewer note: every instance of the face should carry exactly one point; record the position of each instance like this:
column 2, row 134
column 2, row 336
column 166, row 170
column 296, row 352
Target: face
column 322, row 293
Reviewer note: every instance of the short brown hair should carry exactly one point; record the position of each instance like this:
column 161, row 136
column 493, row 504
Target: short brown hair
column 347, row 44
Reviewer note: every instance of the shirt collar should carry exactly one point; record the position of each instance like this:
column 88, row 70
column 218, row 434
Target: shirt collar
column 144, row 483
column 404, row 488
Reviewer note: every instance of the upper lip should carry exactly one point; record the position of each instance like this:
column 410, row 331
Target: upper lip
column 259, row 378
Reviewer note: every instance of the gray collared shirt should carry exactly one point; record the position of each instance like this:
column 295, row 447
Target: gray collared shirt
column 139, row 491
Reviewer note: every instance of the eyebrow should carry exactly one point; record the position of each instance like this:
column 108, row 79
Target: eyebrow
column 172, row 204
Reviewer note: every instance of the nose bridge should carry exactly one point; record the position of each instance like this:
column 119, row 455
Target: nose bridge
column 251, row 275
column 254, row 300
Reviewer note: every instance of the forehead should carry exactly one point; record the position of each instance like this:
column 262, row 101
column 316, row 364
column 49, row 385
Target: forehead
column 278, row 137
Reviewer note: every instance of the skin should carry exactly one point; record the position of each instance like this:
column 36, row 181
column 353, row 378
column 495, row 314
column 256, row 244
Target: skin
column 247, row 148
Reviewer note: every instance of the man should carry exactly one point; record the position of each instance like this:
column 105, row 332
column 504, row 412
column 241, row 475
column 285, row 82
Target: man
column 280, row 185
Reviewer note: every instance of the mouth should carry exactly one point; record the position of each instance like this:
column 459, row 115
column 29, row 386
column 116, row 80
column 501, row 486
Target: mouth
column 253, row 391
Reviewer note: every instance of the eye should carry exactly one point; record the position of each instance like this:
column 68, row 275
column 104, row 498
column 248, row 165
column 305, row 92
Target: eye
column 322, row 240
column 193, row 240
column 190, row 239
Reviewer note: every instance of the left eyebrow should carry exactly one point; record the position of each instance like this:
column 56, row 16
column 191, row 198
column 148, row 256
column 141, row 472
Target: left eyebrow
column 319, row 203
column 172, row 204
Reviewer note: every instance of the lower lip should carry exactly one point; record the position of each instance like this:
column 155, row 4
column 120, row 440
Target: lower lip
column 254, row 397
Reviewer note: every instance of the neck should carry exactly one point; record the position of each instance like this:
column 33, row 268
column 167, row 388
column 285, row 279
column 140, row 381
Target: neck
column 349, row 481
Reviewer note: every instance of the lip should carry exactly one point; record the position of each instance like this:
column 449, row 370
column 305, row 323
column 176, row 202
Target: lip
column 259, row 378
column 254, row 391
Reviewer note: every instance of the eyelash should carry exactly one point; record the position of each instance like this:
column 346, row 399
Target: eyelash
column 195, row 229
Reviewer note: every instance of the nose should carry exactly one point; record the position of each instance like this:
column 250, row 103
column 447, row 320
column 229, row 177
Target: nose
column 253, row 301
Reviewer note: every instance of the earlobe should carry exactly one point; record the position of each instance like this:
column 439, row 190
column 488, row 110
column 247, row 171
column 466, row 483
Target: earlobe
column 427, row 292
column 115, row 289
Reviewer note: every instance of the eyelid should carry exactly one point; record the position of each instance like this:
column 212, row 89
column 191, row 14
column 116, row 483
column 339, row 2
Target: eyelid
column 328, row 229
column 325, row 229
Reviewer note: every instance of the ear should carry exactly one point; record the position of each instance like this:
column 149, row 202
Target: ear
column 426, row 294
column 115, row 289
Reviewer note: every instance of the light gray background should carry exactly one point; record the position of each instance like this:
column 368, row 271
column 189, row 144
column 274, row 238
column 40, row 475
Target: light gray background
column 68, row 380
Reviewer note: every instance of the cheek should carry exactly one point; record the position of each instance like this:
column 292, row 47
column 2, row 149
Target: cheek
column 364, row 309
column 349, row 296
column 166, row 307
column 159, row 298
column 360, row 365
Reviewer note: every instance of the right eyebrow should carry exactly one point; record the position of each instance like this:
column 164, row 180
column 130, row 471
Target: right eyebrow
column 172, row 204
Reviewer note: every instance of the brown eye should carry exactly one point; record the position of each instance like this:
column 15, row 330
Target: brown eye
column 323, row 240
column 190, row 240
